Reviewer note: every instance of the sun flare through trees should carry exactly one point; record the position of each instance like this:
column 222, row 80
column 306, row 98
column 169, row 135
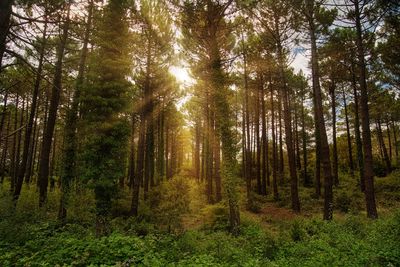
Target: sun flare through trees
column 199, row 133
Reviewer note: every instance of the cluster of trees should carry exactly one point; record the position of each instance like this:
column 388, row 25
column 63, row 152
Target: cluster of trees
column 88, row 97
column 287, row 126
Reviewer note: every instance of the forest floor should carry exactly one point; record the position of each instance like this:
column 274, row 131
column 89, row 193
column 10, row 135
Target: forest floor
column 348, row 200
column 179, row 228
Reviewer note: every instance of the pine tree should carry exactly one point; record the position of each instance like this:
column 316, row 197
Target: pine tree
column 104, row 101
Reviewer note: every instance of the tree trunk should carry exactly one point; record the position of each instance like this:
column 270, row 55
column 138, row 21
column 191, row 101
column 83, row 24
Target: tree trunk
column 13, row 151
column 19, row 137
column 197, row 152
column 5, row 20
column 389, row 140
column 248, row 144
column 306, row 181
column 349, row 143
column 264, row 141
column 51, row 120
column 383, row 146
column 334, row 150
column 217, row 173
column 289, row 133
column 281, row 161
column 324, row 153
column 29, row 127
column 360, row 156
column 396, row 150
column 5, row 150
column 140, row 162
column 257, row 139
column 366, row 132
column 274, row 148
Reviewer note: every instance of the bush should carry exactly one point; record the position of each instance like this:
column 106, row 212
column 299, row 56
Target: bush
column 216, row 217
column 379, row 168
column 169, row 202
column 343, row 202
column 297, row 232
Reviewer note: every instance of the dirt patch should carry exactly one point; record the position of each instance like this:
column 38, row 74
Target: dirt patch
column 278, row 213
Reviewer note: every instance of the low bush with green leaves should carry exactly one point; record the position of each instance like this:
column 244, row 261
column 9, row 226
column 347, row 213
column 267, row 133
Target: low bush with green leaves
column 306, row 242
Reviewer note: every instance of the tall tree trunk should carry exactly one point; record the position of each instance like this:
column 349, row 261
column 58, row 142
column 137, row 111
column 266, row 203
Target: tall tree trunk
column 19, row 137
column 324, row 153
column 264, row 141
column 349, row 143
column 32, row 149
column 334, row 150
column 217, row 171
column 5, row 141
column 53, row 162
column 149, row 140
column 3, row 116
column 224, row 130
column 360, row 156
column 306, row 181
column 248, row 144
column 257, row 139
column 13, row 151
column 281, row 161
column 43, row 176
column 161, row 145
column 288, row 132
column 396, row 150
column 131, row 164
column 274, row 148
column 29, row 127
column 197, row 151
column 389, row 140
column 366, row 132
column 70, row 129
column 140, row 162
column 5, row 21
column 5, row 150
column 383, row 146
column 167, row 152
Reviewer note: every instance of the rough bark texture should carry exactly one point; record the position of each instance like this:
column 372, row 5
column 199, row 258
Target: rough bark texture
column 5, row 16
column 324, row 153
column 43, row 175
column 366, row 132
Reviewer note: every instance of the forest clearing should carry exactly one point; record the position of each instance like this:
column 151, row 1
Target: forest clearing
column 199, row 133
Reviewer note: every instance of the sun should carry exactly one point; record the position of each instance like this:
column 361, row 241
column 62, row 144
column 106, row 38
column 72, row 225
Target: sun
column 182, row 75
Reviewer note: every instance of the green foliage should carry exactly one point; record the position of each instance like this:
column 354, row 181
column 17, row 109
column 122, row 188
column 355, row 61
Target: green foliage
column 379, row 168
column 215, row 217
column 38, row 240
column 169, row 202
column 343, row 202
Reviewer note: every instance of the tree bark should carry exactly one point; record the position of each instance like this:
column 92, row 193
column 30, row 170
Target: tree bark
column 264, row 141
column 274, row 148
column 349, row 142
column 366, row 132
column 288, row 132
column 43, row 176
column 325, row 154
column 334, row 149
column 5, row 21
column 383, row 146
column 29, row 127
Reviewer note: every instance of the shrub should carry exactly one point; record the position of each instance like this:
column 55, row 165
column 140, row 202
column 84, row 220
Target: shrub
column 343, row 202
column 379, row 168
column 169, row 202
column 216, row 217
column 297, row 232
